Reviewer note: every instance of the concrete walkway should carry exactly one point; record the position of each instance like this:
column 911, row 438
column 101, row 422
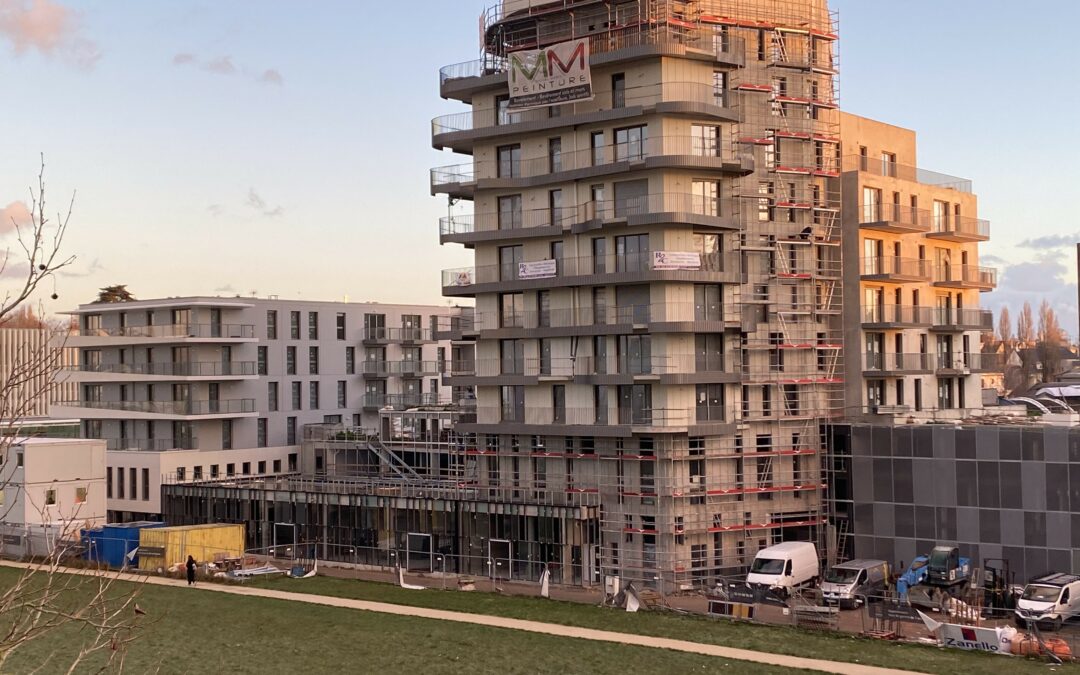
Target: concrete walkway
column 513, row 624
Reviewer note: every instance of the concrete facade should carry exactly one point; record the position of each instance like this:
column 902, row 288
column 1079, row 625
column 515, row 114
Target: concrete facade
column 913, row 280
column 57, row 483
column 240, row 377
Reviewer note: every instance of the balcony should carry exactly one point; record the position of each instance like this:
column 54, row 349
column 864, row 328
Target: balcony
column 124, row 372
column 965, row 276
column 462, row 81
column 685, row 317
column 456, row 328
column 894, row 218
column 683, row 369
column 896, row 316
column 166, row 333
column 891, row 363
column 913, row 174
column 665, row 207
column 400, row 401
column 591, row 421
column 626, row 268
column 948, row 319
column 684, row 152
column 209, row 409
column 460, row 131
column 895, row 270
column 149, row 444
column 404, row 334
column 961, row 229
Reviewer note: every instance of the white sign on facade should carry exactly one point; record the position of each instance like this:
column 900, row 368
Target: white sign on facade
column 676, row 260
column 551, row 76
column 541, row 269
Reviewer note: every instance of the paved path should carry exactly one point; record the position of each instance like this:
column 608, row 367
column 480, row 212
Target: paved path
column 516, row 624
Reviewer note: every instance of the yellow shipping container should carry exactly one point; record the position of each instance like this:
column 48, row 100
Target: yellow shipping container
column 167, row 546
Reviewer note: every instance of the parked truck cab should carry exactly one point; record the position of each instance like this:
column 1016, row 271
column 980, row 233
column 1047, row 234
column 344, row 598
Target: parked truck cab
column 849, row 584
column 785, row 567
column 1049, row 601
column 946, row 567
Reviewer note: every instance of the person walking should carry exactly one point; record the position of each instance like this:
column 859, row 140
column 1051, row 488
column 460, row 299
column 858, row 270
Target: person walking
column 190, row 571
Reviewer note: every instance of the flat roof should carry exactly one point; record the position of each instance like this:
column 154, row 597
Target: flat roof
column 236, row 302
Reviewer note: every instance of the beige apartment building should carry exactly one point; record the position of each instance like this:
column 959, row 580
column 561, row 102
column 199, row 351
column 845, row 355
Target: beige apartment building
column 911, row 270
column 657, row 335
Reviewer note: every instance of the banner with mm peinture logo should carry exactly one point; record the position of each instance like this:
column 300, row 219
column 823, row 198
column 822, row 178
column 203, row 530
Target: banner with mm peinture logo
column 551, row 76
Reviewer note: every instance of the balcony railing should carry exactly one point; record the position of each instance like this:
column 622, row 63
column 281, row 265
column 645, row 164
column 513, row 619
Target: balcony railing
column 692, row 149
column 973, row 319
column 179, row 330
column 972, row 361
column 886, row 169
column 960, row 228
column 179, row 408
column 893, row 362
column 591, row 366
column 397, row 334
column 398, row 401
column 890, row 266
column 965, row 275
column 180, row 369
column 646, row 417
column 150, row 444
column 608, row 315
column 404, row 368
column 487, row 118
column 625, row 263
column 515, row 220
column 898, row 314
column 897, row 215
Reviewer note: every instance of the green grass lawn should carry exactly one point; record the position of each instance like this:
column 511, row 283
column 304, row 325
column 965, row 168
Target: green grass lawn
column 194, row 631
column 774, row 639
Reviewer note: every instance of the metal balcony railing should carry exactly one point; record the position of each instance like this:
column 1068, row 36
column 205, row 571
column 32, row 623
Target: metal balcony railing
column 150, row 444
column 399, row 401
column 972, row 275
column 624, row 263
column 887, row 169
column 952, row 225
column 644, row 417
column 609, row 365
column 975, row 319
column 651, row 94
column 898, row 314
column 911, row 218
column 177, row 369
column 179, row 330
column 893, row 362
column 893, row 266
column 178, row 408
column 607, row 315
column 397, row 334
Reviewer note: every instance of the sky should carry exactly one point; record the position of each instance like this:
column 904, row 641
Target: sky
column 282, row 148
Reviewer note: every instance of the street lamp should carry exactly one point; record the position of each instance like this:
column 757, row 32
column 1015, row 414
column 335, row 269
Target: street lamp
column 442, row 563
column 660, row 584
column 356, row 569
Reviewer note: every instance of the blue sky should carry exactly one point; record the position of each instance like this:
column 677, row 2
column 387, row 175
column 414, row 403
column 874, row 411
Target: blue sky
column 283, row 148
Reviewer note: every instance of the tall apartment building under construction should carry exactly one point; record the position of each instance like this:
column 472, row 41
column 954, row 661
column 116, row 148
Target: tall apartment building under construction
column 657, row 334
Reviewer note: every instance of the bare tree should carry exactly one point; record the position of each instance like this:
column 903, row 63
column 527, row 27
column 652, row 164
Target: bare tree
column 94, row 615
column 1005, row 333
column 1025, row 326
column 1049, row 342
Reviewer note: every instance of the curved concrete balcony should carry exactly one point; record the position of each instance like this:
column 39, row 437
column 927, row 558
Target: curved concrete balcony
column 965, row 276
column 895, row 270
column 162, row 372
column 152, row 410
column 163, row 334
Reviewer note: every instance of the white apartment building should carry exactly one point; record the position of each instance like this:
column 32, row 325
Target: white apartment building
column 239, row 378
column 49, row 489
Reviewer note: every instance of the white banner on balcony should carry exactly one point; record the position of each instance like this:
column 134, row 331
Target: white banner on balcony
column 551, row 76
column 676, row 260
column 462, row 278
column 541, row 269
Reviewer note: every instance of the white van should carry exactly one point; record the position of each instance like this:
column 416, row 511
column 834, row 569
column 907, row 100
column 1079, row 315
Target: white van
column 1049, row 601
column 785, row 566
column 849, row 584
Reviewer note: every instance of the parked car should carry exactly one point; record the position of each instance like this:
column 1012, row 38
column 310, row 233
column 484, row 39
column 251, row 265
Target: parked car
column 785, row 567
column 1049, row 601
column 849, row 584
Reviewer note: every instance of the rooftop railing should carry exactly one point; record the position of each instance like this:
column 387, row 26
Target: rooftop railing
column 178, row 408
column 887, row 169
column 177, row 369
column 180, row 330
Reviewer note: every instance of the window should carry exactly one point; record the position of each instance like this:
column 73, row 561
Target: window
column 596, row 142
column 230, row 469
column 290, row 360
column 888, row 164
column 513, row 403
column 502, row 110
column 704, row 140
column 313, row 325
column 554, row 155
column 226, row 434
column 632, row 253
column 272, row 396
column 271, row 324
column 719, row 87
column 342, row 394
column 630, row 143
column 599, row 304
column 50, row 496
column 555, row 208
column 245, row 468
column 296, row 401
column 556, row 250
column 509, row 259
column 120, row 482
column 708, row 302
column 290, row 432
column 215, row 470
column 374, row 326
column 261, row 432
column 294, row 325
column 196, row 472
column 710, row 403
column 599, row 255
column 350, row 360
column 618, row 90
column 941, row 216
column 635, row 354
column 509, row 161
column 132, row 474
column 600, row 354
column 511, row 310
column 513, row 356
column 510, row 212
column 262, row 360
column 313, row 395
column 706, row 196
column 108, row 482
column 558, row 404
column 340, row 324
column 277, row 466
column 871, row 205
column 145, row 486
column 543, row 308
column 600, row 403
column 80, row 494
column 261, row 466
column 765, row 207
column 313, row 360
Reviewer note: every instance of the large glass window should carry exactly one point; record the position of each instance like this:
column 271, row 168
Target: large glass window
column 632, row 253
column 509, row 161
column 630, row 143
column 710, row 403
column 510, row 212
column 511, row 310
column 708, row 302
column 705, row 140
column 596, row 142
column 706, row 196
column 509, row 258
